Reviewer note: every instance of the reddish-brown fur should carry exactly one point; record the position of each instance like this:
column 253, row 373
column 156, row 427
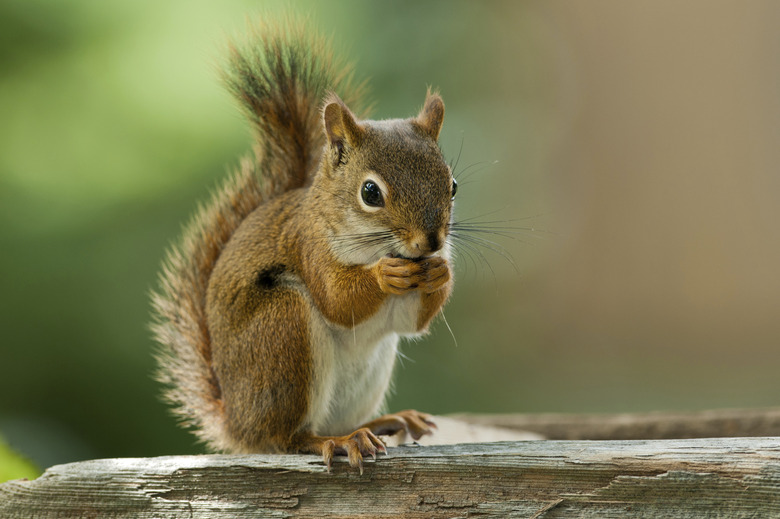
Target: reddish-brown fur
column 269, row 257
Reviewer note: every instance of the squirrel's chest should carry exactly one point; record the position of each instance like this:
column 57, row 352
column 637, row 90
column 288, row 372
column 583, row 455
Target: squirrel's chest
column 354, row 365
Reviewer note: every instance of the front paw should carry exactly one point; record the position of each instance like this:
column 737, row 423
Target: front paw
column 399, row 275
column 404, row 423
column 436, row 273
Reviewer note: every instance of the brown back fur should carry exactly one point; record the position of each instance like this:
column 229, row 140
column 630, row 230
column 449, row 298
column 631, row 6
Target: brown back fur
column 279, row 76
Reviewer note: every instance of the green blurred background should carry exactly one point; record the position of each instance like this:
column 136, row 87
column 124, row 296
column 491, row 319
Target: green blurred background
column 640, row 139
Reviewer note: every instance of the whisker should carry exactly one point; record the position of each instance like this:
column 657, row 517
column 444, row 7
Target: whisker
column 481, row 226
column 495, row 211
column 369, row 243
column 450, row 329
column 473, row 253
column 488, row 244
column 500, row 209
column 499, row 225
column 512, row 233
column 403, row 357
column 457, row 252
column 454, row 167
column 481, row 166
column 461, row 241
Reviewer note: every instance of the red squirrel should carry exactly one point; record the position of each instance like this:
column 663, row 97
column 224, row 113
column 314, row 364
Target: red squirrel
column 281, row 308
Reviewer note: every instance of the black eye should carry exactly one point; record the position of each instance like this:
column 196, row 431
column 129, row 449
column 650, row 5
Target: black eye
column 371, row 194
column 454, row 187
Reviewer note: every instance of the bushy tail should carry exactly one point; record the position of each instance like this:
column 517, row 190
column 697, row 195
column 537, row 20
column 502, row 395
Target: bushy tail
column 280, row 77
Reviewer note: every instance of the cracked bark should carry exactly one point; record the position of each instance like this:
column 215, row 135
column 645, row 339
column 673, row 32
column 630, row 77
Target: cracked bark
column 727, row 477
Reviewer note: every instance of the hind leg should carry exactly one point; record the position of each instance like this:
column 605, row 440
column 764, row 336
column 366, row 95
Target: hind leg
column 263, row 363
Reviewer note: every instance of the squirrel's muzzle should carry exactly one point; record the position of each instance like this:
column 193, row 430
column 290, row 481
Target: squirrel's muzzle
column 425, row 243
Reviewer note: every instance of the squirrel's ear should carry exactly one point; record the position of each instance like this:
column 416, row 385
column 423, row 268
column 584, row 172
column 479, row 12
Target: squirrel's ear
column 340, row 125
column 431, row 116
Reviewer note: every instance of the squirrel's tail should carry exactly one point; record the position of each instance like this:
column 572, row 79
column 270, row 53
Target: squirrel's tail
column 280, row 77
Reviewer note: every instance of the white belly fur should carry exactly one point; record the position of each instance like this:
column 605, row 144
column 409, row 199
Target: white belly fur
column 353, row 366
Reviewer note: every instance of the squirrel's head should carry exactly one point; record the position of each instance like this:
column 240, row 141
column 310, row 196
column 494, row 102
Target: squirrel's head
column 389, row 190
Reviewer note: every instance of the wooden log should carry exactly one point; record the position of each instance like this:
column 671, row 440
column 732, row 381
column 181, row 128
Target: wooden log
column 735, row 478
column 721, row 423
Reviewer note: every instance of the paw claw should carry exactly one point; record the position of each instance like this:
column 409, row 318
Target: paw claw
column 356, row 445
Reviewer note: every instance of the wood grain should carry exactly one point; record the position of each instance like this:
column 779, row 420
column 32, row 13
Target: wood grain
column 731, row 477
column 722, row 423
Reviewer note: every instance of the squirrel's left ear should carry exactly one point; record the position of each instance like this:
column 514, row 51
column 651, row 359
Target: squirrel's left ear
column 341, row 127
column 431, row 116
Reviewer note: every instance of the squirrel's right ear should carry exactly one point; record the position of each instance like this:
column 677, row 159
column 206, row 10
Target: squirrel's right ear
column 431, row 116
column 342, row 129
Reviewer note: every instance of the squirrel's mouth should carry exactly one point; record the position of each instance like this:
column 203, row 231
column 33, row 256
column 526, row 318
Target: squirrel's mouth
column 394, row 255
column 410, row 258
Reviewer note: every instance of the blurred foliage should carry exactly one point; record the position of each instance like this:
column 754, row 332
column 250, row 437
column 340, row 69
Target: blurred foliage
column 14, row 466
column 114, row 125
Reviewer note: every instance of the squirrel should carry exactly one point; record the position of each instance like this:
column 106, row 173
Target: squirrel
column 280, row 310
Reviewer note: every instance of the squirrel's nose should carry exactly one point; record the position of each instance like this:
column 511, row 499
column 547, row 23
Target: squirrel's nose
column 425, row 244
column 434, row 242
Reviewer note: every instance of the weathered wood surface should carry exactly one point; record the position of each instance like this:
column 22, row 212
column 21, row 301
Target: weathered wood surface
column 722, row 423
column 734, row 478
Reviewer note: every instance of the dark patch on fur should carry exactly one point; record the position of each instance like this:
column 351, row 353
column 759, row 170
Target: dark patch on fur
column 268, row 279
